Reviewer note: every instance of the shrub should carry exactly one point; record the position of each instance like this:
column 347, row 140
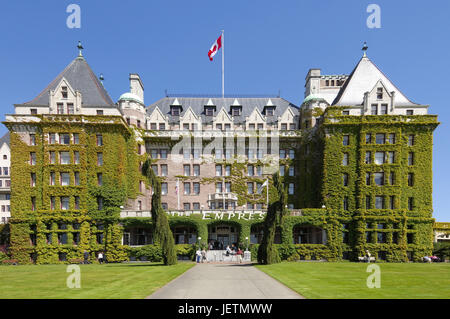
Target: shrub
column 286, row 251
column 185, row 250
column 442, row 250
column 3, row 256
column 149, row 253
column 76, row 260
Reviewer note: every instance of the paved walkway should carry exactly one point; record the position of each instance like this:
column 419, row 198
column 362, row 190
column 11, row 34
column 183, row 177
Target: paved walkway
column 222, row 281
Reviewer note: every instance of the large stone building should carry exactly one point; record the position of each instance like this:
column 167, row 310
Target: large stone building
column 355, row 157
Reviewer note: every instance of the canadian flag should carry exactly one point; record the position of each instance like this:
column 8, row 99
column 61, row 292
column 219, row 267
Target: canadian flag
column 215, row 47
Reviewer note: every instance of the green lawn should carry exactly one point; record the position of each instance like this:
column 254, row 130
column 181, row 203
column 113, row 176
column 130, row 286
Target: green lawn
column 348, row 280
column 133, row 280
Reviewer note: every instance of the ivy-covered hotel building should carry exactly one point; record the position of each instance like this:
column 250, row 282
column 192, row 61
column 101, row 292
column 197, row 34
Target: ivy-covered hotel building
column 356, row 158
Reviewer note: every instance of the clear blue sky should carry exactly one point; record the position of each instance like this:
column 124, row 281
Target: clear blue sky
column 270, row 45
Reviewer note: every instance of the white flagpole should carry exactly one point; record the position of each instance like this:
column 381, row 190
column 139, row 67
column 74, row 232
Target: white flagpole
column 223, row 64
column 267, row 191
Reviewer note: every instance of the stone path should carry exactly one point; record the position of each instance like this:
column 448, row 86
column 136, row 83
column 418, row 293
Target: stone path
column 224, row 281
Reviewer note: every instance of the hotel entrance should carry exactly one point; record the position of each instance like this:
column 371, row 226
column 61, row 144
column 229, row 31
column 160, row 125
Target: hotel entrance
column 222, row 235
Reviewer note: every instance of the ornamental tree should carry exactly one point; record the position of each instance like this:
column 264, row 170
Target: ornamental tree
column 267, row 251
column 161, row 229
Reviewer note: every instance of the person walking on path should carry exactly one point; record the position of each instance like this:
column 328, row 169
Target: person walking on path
column 203, row 255
column 100, row 257
column 199, row 255
column 239, row 253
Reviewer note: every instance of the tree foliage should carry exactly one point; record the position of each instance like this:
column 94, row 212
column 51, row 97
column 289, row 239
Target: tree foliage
column 267, row 251
column 162, row 233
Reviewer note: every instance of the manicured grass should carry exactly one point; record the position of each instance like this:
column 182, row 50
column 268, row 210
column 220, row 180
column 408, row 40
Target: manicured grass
column 123, row 281
column 348, row 280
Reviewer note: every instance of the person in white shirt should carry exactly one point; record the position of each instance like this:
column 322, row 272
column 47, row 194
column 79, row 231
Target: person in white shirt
column 100, row 257
column 198, row 254
column 368, row 256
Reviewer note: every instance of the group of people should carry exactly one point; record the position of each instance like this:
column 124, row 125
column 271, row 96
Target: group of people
column 100, row 257
column 201, row 255
column 233, row 250
column 429, row 259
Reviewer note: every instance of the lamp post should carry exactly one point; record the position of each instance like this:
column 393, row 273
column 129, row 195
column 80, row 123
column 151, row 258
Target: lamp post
column 199, row 238
column 246, row 238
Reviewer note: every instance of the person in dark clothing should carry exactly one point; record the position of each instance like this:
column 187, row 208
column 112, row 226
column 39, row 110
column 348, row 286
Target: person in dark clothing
column 86, row 257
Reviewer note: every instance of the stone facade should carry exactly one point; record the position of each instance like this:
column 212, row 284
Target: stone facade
column 214, row 157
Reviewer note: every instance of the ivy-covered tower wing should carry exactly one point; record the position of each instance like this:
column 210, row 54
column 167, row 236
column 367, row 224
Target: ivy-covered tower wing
column 377, row 165
column 73, row 166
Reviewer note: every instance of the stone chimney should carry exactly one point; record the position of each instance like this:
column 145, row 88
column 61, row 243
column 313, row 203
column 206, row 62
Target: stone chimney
column 312, row 82
column 136, row 86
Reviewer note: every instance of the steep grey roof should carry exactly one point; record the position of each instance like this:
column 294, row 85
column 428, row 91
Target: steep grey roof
column 4, row 139
column 197, row 104
column 363, row 79
column 81, row 78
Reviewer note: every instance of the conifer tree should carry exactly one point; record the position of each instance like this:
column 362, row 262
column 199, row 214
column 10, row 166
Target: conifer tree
column 267, row 251
column 161, row 229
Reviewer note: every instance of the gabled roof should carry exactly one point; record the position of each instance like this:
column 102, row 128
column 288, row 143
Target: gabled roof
column 81, row 78
column 4, row 139
column 248, row 105
column 362, row 79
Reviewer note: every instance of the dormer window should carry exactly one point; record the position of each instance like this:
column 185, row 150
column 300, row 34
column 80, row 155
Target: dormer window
column 209, row 110
column 235, row 110
column 175, row 110
column 64, row 92
column 379, row 93
column 269, row 110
